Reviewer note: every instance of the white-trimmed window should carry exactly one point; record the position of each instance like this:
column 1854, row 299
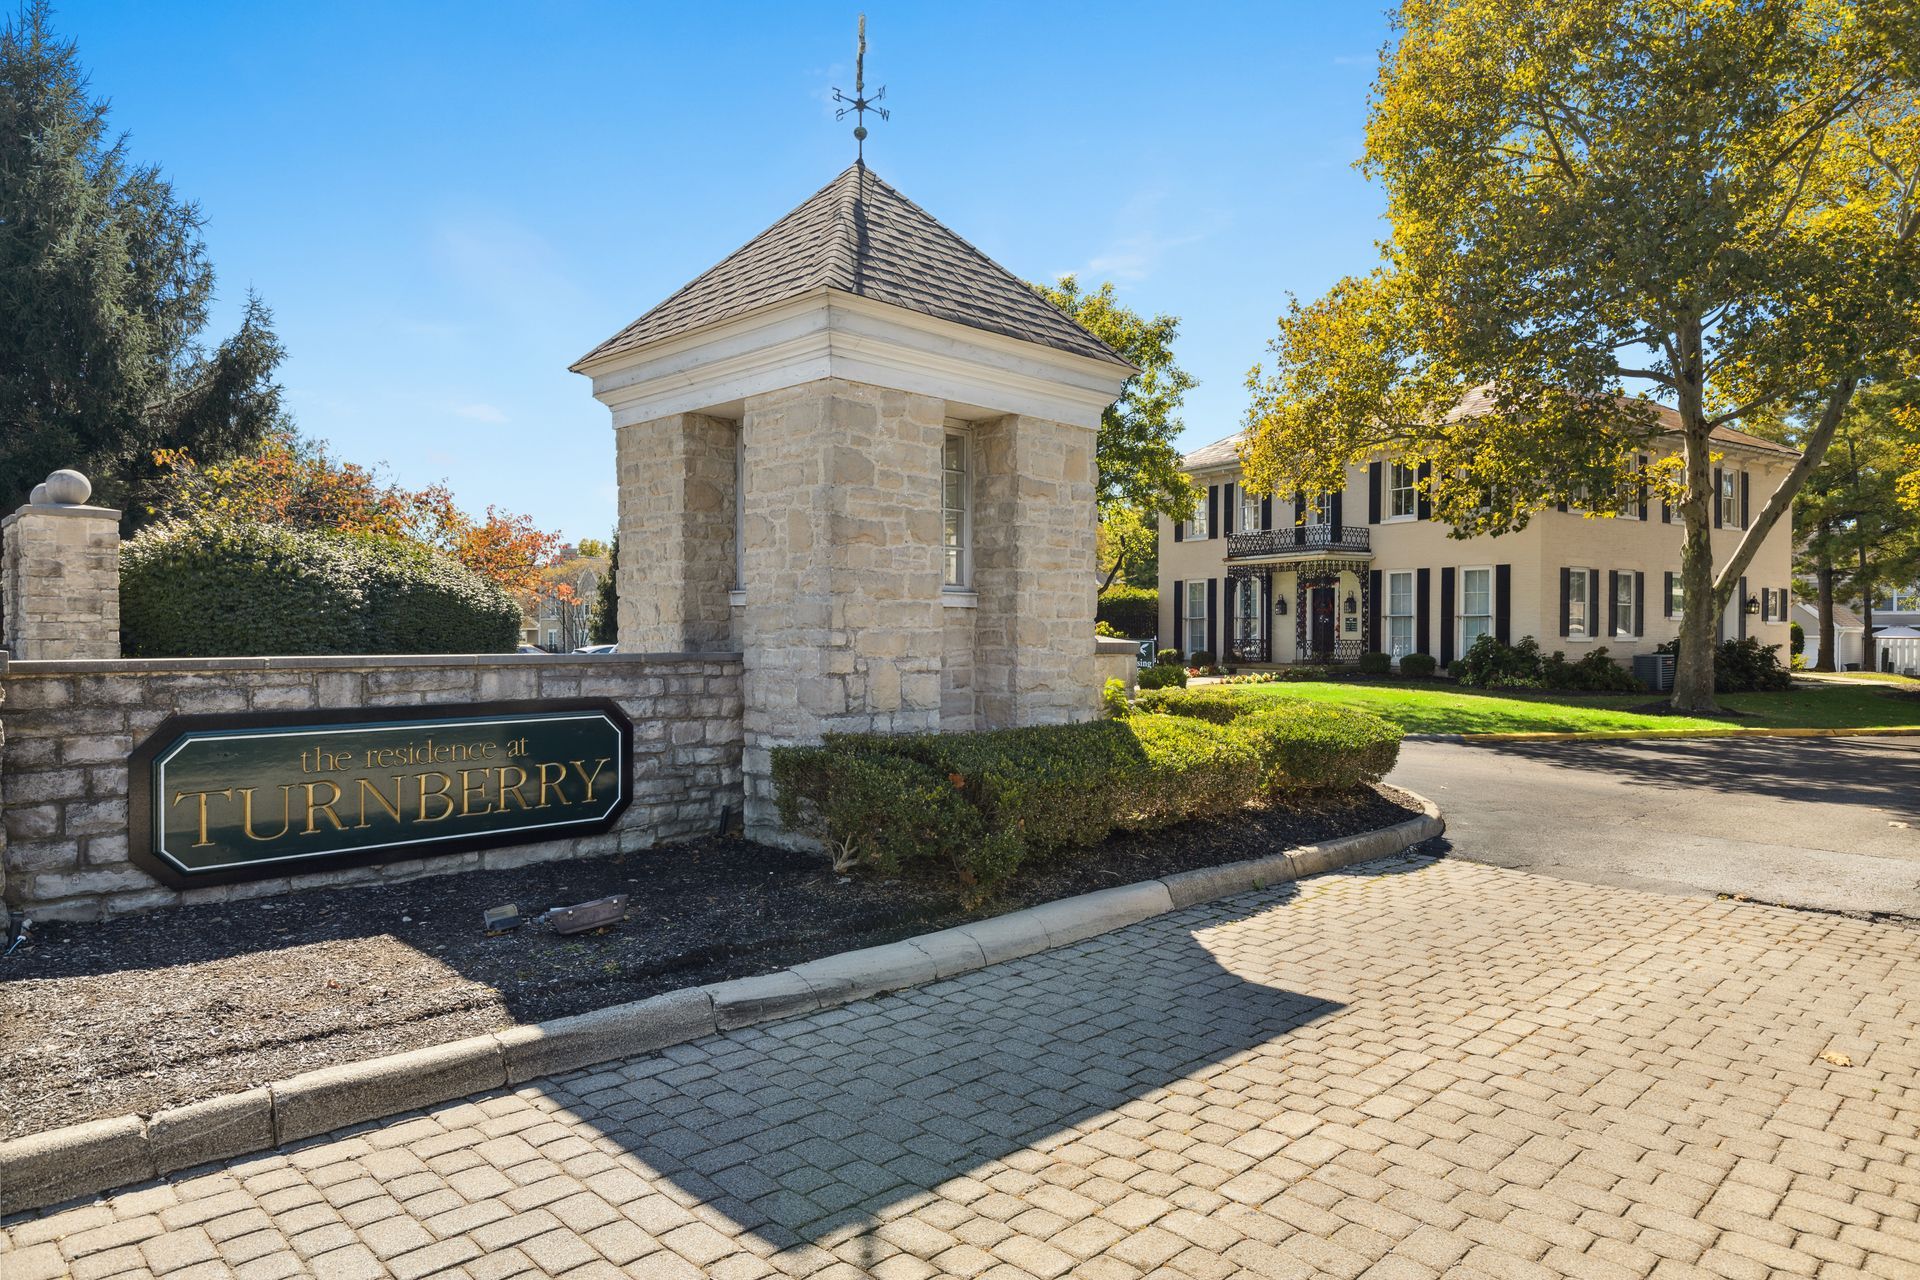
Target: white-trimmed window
column 1676, row 596
column 1403, row 502
column 1581, row 601
column 1476, row 606
column 1196, row 617
column 1400, row 614
column 1249, row 510
column 1623, row 619
column 1247, row 619
column 1319, row 511
column 1197, row 529
column 1730, row 499
column 956, row 531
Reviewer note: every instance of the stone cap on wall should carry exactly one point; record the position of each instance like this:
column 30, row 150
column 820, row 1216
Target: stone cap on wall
column 336, row 662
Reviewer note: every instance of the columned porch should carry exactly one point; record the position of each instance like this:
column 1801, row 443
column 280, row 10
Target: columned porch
column 1302, row 611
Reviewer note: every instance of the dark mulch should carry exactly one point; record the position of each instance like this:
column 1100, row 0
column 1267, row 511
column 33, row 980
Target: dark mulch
column 151, row 1011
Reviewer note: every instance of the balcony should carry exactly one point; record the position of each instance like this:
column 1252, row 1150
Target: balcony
column 1298, row 540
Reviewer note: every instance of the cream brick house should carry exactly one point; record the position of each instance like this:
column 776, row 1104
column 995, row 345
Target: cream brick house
column 1260, row 578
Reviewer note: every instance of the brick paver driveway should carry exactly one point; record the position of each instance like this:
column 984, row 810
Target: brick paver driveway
column 1419, row 1067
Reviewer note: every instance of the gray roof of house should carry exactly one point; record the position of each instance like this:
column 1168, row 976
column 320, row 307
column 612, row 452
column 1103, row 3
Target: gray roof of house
column 1221, row 453
column 860, row 236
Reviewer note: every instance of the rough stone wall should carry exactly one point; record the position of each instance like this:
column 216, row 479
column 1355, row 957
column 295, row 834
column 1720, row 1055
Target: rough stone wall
column 958, row 713
column 842, row 619
column 676, row 477
column 1034, row 572
column 60, row 582
column 71, row 726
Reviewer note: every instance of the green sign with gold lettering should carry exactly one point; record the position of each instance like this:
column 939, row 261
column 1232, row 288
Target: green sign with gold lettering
column 222, row 798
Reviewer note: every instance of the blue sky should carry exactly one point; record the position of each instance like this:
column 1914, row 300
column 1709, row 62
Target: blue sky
column 445, row 205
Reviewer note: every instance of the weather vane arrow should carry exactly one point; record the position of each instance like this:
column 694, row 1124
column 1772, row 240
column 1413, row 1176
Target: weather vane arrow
column 860, row 103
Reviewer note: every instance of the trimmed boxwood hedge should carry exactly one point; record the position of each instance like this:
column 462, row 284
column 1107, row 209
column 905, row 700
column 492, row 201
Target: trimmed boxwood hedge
column 215, row 589
column 978, row 805
column 1132, row 611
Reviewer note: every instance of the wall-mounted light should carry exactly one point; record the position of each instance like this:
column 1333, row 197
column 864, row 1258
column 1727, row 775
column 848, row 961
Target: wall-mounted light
column 1753, row 604
column 1280, row 606
column 1353, row 604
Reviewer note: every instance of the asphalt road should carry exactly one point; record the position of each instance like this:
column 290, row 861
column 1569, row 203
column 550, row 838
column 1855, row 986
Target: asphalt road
column 1831, row 824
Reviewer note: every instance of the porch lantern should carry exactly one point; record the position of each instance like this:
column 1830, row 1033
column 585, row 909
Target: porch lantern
column 1753, row 604
column 1279, row 606
column 1353, row 604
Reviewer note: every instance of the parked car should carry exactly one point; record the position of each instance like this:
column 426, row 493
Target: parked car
column 597, row 648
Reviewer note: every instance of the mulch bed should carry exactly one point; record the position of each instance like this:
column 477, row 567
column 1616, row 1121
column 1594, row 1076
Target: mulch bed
column 151, row 1011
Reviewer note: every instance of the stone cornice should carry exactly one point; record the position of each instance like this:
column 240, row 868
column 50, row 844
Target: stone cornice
column 829, row 334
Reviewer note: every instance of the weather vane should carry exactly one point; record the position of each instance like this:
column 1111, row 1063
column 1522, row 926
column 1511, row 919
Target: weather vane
column 860, row 103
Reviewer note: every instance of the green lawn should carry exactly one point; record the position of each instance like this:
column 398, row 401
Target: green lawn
column 1443, row 709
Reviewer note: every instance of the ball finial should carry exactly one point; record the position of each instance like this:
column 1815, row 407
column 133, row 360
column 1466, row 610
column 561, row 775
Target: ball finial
column 68, row 488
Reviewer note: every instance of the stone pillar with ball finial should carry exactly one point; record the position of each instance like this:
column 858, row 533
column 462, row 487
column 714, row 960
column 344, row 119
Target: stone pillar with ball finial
column 60, row 574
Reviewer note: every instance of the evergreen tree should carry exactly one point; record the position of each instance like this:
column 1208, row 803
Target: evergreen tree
column 606, row 606
column 104, row 293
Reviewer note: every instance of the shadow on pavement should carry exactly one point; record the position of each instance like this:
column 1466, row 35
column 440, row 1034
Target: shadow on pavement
column 1877, row 773
column 818, row 1129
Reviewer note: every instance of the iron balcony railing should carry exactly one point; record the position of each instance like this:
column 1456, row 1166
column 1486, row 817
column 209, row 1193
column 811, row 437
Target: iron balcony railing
column 1304, row 538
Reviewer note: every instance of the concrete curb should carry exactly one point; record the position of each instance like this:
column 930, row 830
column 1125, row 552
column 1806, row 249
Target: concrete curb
column 61, row 1164
column 1608, row 735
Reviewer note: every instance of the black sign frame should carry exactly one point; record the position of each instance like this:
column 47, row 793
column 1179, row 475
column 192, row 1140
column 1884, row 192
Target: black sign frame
column 143, row 837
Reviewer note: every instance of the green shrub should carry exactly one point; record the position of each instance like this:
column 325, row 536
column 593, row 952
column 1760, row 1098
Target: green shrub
column 1131, row 611
column 1200, row 658
column 1214, row 705
column 1191, row 769
column 1418, row 666
column 1594, row 672
column 215, row 589
column 874, row 810
column 1744, row 666
column 1796, row 639
column 1166, row 657
column 1489, row 663
column 1113, row 700
column 1163, row 675
column 1375, row 664
column 1309, row 746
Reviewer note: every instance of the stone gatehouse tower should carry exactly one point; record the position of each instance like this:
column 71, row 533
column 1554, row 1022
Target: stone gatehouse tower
column 861, row 453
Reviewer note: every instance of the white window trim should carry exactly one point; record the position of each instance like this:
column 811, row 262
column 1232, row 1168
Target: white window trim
column 1319, row 511
column 1412, row 615
column 965, row 585
column 1412, row 490
column 1729, row 498
column 1460, row 616
column 1588, row 578
column 1196, row 591
column 1249, row 509
column 1625, row 579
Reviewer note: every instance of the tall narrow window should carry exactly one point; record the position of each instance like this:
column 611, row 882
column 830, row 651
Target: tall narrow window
column 1624, row 621
column 1319, row 512
column 1400, row 614
column 955, row 530
column 1676, row 596
column 1579, row 598
column 1249, row 520
column 1196, row 616
column 1403, row 504
column 1476, row 606
column 1730, row 499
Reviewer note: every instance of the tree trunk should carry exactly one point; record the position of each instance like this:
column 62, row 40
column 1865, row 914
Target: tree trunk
column 1869, row 652
column 1693, row 661
column 1824, row 576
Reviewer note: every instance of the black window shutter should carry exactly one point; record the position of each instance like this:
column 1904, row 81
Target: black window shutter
column 1740, row 610
column 1266, row 609
column 1613, row 603
column 1179, row 530
column 1213, row 618
column 1639, row 603
column 1559, row 506
column 1503, row 603
column 1299, row 517
column 1425, row 508
column 1666, row 597
column 1744, row 521
column 1374, row 582
column 1373, row 493
column 1179, row 617
column 1422, row 602
column 1716, row 497
column 1642, row 471
column 1566, row 602
column 1213, row 511
column 1266, row 512
column 1766, row 604
column 1335, row 516
column 1446, row 616
column 1666, row 512
column 1227, row 505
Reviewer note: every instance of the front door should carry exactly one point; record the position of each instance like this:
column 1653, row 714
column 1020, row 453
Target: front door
column 1323, row 624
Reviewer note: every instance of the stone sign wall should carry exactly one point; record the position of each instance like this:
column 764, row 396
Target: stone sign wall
column 71, row 725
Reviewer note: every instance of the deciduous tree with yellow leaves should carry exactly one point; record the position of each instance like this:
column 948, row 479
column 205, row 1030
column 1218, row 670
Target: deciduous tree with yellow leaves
column 1713, row 199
